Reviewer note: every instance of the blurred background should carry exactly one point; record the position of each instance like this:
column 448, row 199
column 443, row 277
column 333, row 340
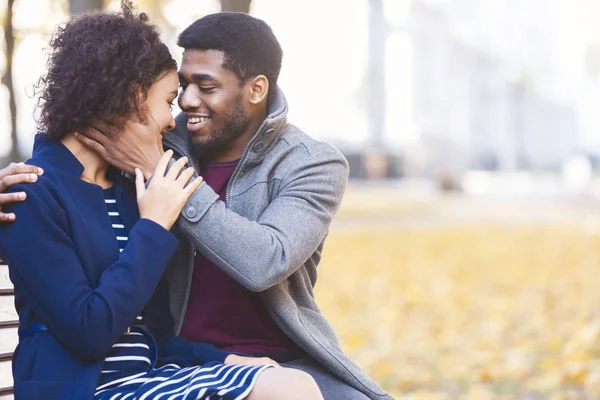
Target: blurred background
column 464, row 261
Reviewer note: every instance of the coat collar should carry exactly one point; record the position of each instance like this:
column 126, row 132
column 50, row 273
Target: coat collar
column 264, row 138
column 57, row 154
column 53, row 152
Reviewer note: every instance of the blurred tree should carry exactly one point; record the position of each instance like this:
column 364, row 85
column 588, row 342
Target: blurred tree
column 80, row 6
column 7, row 80
column 236, row 5
column 378, row 33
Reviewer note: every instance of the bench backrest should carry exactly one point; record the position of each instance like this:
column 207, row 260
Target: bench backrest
column 8, row 331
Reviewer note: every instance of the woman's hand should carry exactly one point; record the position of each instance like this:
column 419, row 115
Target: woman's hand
column 166, row 195
column 255, row 361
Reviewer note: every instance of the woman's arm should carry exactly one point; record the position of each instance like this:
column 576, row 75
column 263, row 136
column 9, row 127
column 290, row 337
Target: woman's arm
column 45, row 268
column 198, row 353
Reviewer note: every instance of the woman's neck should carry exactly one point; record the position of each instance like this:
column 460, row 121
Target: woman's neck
column 94, row 166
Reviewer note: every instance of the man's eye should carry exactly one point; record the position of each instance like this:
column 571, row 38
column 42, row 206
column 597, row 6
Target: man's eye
column 207, row 89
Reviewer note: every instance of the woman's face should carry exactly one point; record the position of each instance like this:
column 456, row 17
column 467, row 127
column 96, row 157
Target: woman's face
column 160, row 99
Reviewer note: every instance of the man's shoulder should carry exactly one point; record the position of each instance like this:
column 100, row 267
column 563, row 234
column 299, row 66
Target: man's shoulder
column 298, row 142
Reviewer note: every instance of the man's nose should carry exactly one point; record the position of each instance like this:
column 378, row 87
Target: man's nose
column 189, row 98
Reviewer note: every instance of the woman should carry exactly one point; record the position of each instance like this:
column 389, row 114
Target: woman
column 85, row 262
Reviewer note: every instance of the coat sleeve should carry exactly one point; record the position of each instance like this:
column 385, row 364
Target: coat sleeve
column 195, row 353
column 46, row 271
column 259, row 254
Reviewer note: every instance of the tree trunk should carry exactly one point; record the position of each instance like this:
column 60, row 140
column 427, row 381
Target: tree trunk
column 81, row 6
column 236, row 5
column 7, row 80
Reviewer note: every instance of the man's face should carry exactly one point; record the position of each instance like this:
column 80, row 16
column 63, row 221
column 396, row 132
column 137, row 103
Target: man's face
column 212, row 100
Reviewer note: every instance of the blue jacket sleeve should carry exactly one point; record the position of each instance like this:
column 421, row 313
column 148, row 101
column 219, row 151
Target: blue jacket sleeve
column 46, row 270
column 195, row 353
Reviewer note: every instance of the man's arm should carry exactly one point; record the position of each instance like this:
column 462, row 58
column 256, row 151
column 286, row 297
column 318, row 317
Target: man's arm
column 259, row 254
column 12, row 175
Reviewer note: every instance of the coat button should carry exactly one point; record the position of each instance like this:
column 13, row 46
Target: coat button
column 191, row 212
column 258, row 147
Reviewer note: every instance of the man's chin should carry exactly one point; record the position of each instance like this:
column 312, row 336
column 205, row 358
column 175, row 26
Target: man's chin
column 205, row 147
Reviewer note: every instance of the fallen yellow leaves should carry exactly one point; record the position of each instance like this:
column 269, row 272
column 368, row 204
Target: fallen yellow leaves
column 479, row 311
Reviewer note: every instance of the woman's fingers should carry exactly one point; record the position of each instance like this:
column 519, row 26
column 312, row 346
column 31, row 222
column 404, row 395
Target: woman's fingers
column 176, row 169
column 140, row 187
column 161, row 167
column 192, row 186
column 185, row 177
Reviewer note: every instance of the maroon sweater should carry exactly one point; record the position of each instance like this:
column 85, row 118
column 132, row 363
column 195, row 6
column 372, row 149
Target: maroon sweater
column 222, row 312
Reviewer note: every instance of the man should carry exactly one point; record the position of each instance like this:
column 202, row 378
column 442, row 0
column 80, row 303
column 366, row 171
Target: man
column 252, row 235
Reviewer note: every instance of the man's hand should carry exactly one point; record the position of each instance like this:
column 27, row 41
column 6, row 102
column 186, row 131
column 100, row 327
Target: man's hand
column 254, row 361
column 137, row 145
column 11, row 175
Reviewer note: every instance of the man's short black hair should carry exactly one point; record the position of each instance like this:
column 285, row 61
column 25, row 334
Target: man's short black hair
column 248, row 43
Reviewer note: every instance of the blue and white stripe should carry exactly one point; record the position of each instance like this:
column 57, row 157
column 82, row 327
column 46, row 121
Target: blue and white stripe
column 210, row 381
column 115, row 218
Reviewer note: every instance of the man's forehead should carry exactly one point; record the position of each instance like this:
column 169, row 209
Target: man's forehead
column 202, row 58
column 197, row 65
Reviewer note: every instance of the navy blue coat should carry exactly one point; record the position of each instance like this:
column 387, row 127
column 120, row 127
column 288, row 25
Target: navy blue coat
column 68, row 275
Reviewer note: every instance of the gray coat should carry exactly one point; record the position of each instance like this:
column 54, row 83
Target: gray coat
column 269, row 236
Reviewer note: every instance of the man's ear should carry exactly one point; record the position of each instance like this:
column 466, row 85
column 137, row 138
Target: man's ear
column 259, row 89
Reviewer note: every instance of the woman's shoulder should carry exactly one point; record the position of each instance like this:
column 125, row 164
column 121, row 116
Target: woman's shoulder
column 46, row 185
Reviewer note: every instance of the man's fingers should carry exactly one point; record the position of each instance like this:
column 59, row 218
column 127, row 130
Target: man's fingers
column 140, row 188
column 10, row 180
column 143, row 113
column 90, row 143
column 7, row 198
column 147, row 118
column 94, row 133
column 176, row 168
column 10, row 217
column 20, row 168
column 103, row 128
column 161, row 167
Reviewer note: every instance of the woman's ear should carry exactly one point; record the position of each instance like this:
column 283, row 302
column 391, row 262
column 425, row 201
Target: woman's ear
column 259, row 89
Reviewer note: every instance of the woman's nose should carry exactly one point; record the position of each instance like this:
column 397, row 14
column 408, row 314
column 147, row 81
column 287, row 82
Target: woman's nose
column 172, row 124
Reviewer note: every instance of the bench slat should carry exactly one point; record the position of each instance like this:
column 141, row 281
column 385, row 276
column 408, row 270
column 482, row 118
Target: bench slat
column 8, row 331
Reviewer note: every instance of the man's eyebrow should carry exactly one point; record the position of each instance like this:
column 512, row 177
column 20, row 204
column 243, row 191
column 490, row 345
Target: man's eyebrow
column 202, row 77
column 197, row 77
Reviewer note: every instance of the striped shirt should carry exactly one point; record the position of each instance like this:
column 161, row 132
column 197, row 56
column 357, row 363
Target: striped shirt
column 131, row 352
column 115, row 219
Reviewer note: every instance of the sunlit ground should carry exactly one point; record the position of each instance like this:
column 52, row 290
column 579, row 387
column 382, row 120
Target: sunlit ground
column 459, row 299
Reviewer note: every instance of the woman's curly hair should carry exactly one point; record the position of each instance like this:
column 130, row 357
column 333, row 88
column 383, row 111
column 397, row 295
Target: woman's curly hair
column 97, row 65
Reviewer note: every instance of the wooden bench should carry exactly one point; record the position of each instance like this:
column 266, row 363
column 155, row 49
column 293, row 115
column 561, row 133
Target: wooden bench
column 8, row 332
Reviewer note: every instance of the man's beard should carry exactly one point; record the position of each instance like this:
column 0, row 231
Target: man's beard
column 233, row 127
